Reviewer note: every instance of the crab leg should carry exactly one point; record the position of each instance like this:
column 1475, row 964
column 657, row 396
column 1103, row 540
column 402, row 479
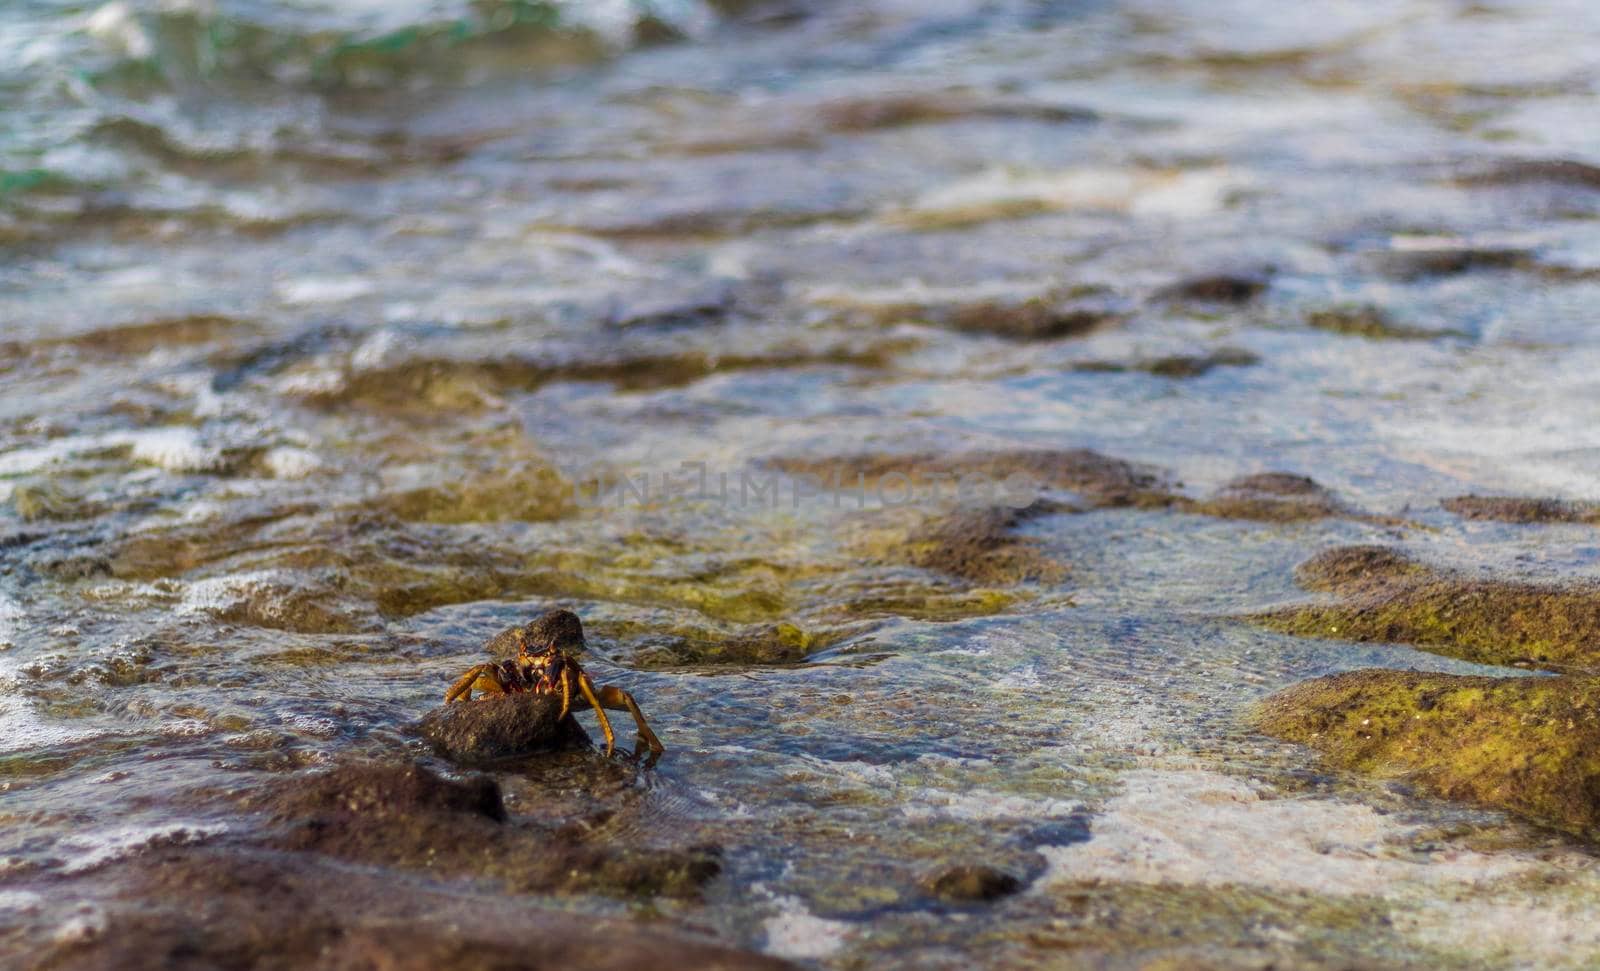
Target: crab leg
column 566, row 692
column 615, row 698
column 481, row 676
column 587, row 687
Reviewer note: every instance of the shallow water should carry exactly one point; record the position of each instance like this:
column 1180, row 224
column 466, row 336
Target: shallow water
column 314, row 317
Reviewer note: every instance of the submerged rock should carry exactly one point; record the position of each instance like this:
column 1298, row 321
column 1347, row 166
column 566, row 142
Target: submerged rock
column 499, row 727
column 1216, row 288
column 1099, row 480
column 980, row 546
column 1177, row 365
column 972, row 883
column 1388, row 597
column 1271, row 497
column 679, row 646
column 1515, row 509
column 1529, row 745
column 1532, row 171
column 1371, row 322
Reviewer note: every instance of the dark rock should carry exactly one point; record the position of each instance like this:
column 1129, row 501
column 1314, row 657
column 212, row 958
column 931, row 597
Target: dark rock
column 499, row 727
column 193, row 908
column 1216, row 288
column 900, row 110
column 1560, row 171
column 971, row 883
column 1445, row 257
column 1195, row 365
column 405, row 816
column 1040, row 318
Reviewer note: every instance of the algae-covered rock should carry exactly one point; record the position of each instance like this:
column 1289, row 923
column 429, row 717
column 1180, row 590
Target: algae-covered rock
column 763, row 644
column 1100, row 480
column 499, row 727
column 1371, row 322
column 980, row 546
column 1519, row 509
column 1529, row 745
column 972, row 883
column 1388, row 597
column 1271, row 497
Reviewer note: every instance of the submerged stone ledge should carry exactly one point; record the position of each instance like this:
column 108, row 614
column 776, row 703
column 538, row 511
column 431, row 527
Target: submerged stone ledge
column 1529, row 745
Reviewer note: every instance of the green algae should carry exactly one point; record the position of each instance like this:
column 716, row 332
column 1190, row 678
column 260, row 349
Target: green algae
column 1528, row 745
column 431, row 386
column 530, row 493
column 1388, row 598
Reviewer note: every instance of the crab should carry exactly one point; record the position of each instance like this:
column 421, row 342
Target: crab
column 544, row 665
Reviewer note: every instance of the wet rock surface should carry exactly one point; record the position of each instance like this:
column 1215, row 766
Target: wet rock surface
column 406, row 816
column 207, row 908
column 499, row 727
column 1385, row 596
column 1527, row 745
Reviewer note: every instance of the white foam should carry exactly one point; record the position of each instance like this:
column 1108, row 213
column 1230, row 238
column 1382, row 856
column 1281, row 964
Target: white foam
column 1194, row 192
column 1201, row 828
column 174, row 449
column 90, row 850
column 977, row 804
column 797, row 934
column 215, row 594
column 116, row 26
column 324, row 289
column 288, row 462
column 321, row 381
column 1512, row 933
column 377, row 350
column 11, row 615
column 20, row 900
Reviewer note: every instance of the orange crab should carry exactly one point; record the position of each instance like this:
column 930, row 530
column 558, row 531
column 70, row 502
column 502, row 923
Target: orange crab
column 544, row 665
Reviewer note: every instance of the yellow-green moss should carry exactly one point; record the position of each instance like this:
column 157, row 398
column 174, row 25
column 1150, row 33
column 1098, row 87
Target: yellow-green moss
column 1388, row 598
column 1528, row 745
